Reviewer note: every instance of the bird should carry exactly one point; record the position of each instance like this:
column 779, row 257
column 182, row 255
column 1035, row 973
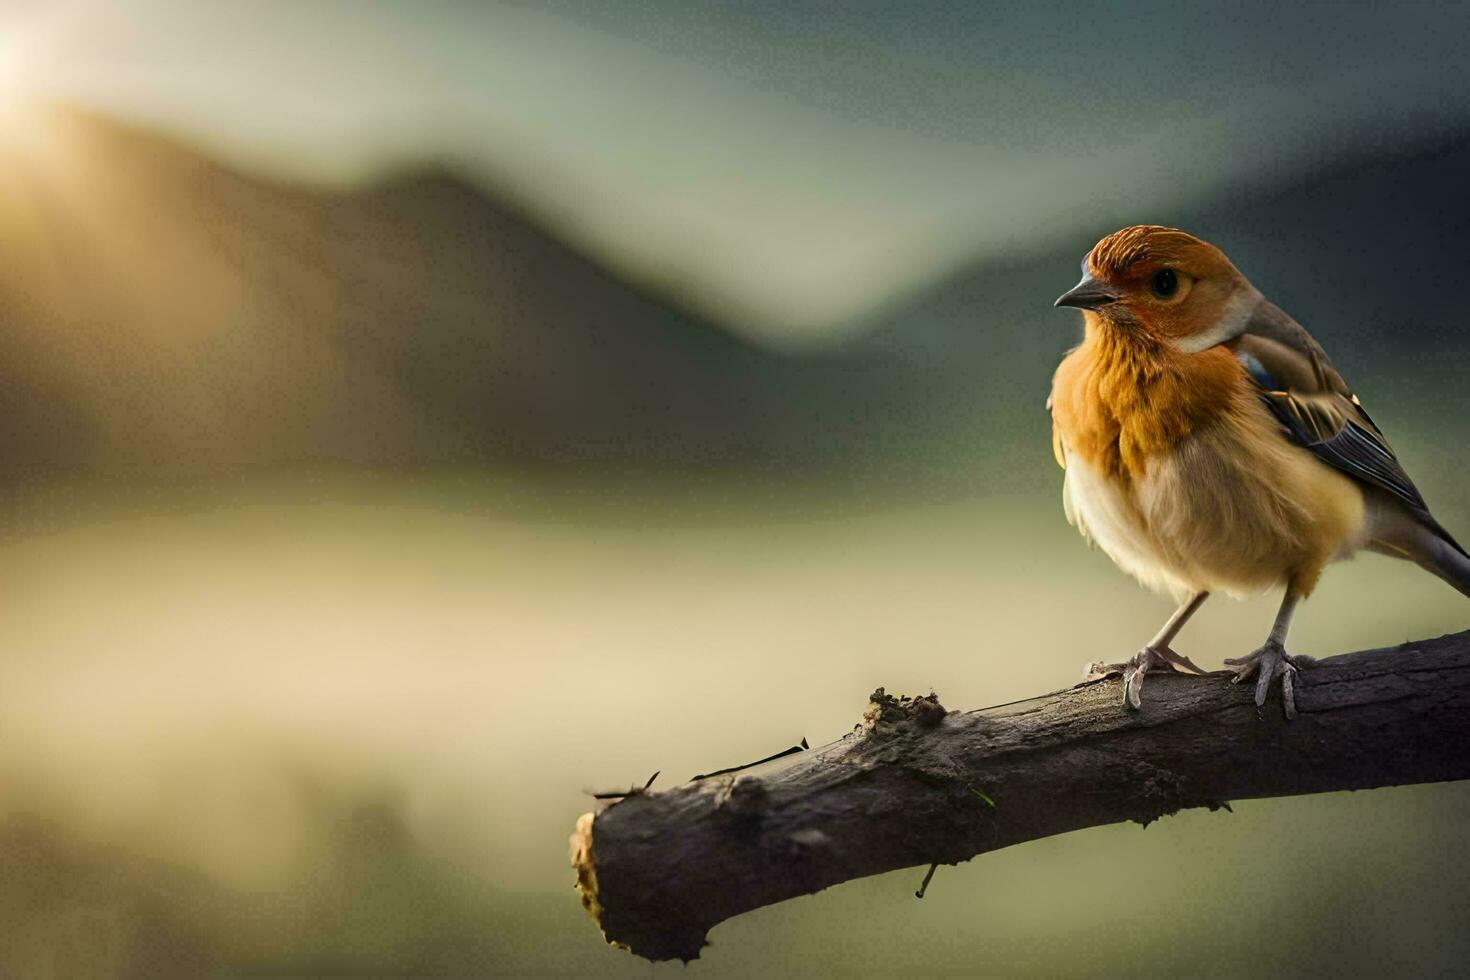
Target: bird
column 1209, row 446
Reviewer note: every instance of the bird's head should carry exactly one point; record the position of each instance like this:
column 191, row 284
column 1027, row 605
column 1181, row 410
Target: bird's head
column 1166, row 284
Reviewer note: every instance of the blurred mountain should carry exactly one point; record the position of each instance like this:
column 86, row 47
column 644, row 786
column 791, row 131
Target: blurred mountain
column 163, row 314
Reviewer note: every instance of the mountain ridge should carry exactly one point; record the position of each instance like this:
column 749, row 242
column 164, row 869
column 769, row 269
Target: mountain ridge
column 164, row 312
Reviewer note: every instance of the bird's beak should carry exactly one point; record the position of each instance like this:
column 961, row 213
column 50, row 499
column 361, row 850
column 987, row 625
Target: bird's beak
column 1088, row 294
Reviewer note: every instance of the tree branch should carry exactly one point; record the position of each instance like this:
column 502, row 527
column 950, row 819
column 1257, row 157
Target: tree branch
column 914, row 785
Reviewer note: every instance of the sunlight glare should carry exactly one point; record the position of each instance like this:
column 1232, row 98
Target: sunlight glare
column 26, row 33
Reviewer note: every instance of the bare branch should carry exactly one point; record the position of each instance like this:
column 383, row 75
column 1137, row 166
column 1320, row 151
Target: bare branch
column 914, row 785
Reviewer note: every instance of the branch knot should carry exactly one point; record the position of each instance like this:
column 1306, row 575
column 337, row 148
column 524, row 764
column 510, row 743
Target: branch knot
column 887, row 715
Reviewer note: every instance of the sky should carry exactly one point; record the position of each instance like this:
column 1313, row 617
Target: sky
column 787, row 168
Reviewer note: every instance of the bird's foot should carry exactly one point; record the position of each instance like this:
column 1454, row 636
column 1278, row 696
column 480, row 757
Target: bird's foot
column 1151, row 659
column 1266, row 664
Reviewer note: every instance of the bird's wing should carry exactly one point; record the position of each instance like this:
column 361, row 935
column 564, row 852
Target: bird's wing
column 1317, row 409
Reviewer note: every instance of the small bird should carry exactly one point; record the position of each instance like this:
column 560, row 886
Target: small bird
column 1209, row 446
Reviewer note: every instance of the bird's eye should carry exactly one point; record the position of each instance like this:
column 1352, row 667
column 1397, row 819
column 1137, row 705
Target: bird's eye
column 1165, row 283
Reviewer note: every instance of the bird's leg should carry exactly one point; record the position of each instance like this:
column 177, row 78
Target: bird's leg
column 1270, row 661
column 1156, row 656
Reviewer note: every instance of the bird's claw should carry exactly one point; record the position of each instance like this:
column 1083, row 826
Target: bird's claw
column 1174, row 662
column 1266, row 664
column 1151, row 659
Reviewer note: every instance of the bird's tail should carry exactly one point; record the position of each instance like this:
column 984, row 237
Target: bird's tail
column 1421, row 540
column 1439, row 554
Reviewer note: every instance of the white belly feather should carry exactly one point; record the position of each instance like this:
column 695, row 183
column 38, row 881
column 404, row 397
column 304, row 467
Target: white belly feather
column 1233, row 508
column 1103, row 510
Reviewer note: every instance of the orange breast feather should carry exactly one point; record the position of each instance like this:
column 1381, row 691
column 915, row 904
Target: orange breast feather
column 1116, row 400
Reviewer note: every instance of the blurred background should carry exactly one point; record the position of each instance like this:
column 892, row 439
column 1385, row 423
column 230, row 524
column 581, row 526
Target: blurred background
column 416, row 415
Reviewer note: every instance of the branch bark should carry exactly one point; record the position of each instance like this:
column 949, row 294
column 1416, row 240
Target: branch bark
column 915, row 784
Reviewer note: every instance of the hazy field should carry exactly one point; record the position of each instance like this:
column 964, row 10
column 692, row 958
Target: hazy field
column 346, row 723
